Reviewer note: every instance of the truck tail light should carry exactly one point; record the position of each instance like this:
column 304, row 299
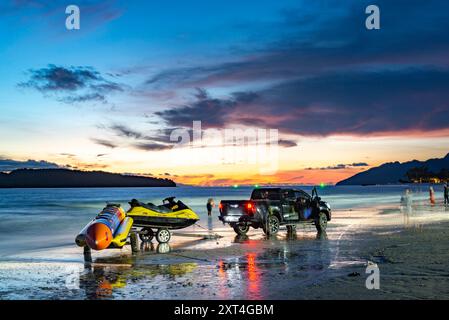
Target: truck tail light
column 250, row 208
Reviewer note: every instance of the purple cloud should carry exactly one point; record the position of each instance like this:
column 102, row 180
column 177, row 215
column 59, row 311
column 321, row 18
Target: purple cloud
column 71, row 84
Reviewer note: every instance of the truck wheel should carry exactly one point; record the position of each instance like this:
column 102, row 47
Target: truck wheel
column 163, row 236
column 146, row 235
column 241, row 229
column 272, row 226
column 321, row 222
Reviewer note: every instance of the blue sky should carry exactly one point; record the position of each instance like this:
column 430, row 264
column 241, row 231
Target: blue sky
column 138, row 69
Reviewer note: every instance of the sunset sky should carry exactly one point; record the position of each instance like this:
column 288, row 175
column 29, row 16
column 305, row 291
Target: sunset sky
column 107, row 96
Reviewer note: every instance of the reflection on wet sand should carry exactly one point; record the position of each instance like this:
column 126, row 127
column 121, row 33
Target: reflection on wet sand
column 147, row 246
column 242, row 275
column 163, row 248
column 99, row 282
column 104, row 276
column 271, row 258
column 249, row 272
column 241, row 239
column 253, row 276
column 159, row 248
column 223, row 285
column 210, row 225
column 321, row 235
column 102, row 281
column 290, row 235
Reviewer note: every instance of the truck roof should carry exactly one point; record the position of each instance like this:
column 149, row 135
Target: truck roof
column 277, row 189
column 274, row 193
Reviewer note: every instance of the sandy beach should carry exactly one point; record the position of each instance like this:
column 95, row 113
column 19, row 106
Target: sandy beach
column 410, row 249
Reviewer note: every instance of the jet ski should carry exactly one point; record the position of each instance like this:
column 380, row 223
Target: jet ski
column 170, row 215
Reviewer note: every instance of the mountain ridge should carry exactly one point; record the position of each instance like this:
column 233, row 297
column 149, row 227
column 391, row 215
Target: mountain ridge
column 394, row 172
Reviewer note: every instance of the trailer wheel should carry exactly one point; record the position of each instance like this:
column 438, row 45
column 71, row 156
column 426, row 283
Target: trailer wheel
column 321, row 222
column 272, row 226
column 241, row 229
column 146, row 235
column 163, row 235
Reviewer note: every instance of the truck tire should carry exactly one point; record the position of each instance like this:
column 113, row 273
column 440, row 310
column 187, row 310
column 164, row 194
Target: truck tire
column 272, row 226
column 241, row 229
column 321, row 222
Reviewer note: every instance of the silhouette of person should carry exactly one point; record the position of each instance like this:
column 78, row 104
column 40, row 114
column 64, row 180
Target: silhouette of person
column 446, row 193
column 210, row 204
column 406, row 206
column 432, row 195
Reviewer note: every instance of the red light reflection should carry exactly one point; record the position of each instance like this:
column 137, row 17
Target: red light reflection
column 253, row 276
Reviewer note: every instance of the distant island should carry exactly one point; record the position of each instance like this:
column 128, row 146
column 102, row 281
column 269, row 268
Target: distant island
column 65, row 178
column 430, row 171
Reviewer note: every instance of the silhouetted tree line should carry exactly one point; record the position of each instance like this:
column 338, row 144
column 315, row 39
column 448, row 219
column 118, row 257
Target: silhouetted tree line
column 65, row 178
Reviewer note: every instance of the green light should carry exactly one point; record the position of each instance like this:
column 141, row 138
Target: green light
column 322, row 185
column 256, row 186
column 236, row 185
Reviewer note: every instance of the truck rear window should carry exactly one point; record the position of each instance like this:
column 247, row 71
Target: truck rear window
column 261, row 194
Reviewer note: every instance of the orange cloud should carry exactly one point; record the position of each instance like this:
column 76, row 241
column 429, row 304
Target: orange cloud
column 301, row 176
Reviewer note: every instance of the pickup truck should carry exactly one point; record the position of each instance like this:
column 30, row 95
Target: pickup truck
column 269, row 208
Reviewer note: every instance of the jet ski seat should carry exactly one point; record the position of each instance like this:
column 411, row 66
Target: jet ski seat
column 156, row 208
column 150, row 206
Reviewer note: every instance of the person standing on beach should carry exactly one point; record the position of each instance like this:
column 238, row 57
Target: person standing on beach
column 210, row 205
column 406, row 206
column 446, row 193
column 432, row 195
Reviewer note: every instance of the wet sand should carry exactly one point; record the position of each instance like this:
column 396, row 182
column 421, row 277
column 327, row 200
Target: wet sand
column 413, row 264
column 411, row 250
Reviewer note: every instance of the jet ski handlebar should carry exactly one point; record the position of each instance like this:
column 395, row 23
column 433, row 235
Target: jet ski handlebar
column 169, row 200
